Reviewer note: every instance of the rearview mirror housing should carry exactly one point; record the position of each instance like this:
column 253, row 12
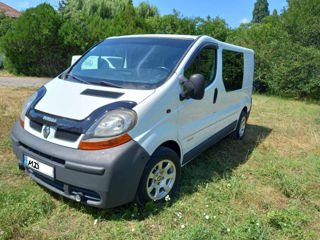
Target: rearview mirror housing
column 192, row 87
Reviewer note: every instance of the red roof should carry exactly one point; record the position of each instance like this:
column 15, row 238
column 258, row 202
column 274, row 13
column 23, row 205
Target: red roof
column 9, row 11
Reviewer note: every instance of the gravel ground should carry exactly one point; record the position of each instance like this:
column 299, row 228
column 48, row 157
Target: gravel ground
column 23, row 81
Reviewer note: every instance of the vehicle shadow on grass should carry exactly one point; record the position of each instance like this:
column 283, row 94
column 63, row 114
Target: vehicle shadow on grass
column 217, row 162
column 221, row 159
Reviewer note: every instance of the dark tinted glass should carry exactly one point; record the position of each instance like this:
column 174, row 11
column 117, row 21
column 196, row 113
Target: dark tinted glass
column 205, row 64
column 131, row 62
column 232, row 70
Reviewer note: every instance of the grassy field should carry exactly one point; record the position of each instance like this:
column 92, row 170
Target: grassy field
column 266, row 186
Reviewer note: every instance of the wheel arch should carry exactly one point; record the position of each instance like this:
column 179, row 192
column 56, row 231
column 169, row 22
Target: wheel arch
column 173, row 145
column 245, row 109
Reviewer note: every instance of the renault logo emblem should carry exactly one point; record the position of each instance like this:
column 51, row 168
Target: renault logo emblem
column 46, row 131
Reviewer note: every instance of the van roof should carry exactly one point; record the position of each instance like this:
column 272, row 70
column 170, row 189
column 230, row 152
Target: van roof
column 173, row 36
column 185, row 37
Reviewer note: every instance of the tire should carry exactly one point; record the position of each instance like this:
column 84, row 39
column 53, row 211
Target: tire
column 155, row 185
column 241, row 126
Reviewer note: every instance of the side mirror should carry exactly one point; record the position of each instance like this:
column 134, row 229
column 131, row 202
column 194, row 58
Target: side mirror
column 75, row 58
column 192, row 87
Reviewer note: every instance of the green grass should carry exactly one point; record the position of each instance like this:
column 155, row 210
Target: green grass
column 266, row 186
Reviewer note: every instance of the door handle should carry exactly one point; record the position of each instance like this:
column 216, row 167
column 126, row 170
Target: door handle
column 215, row 95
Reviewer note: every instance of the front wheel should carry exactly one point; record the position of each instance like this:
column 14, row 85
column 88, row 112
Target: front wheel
column 160, row 177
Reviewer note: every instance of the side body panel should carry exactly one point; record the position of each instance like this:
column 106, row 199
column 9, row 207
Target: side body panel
column 192, row 122
column 200, row 119
column 157, row 117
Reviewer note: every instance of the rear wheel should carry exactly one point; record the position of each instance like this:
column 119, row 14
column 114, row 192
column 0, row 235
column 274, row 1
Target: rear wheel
column 241, row 126
column 160, row 177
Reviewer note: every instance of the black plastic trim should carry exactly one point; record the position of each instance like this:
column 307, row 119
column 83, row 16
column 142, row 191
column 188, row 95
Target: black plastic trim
column 85, row 168
column 76, row 126
column 215, row 96
column 66, row 135
column 36, row 126
column 36, row 152
column 209, row 142
column 100, row 93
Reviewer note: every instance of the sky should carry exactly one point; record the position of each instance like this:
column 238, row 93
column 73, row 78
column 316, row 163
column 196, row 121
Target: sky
column 234, row 12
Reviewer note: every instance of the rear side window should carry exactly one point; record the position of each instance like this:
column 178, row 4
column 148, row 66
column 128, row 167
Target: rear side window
column 232, row 70
column 205, row 64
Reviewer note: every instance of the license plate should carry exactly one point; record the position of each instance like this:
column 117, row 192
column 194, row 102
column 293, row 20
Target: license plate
column 38, row 166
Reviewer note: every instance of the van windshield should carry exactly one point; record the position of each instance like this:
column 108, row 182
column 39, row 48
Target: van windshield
column 140, row 62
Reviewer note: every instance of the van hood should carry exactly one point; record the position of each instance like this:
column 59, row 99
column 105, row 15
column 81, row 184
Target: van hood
column 77, row 101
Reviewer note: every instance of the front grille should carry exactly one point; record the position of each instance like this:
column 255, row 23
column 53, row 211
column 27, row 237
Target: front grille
column 46, row 156
column 61, row 134
column 36, row 126
column 67, row 135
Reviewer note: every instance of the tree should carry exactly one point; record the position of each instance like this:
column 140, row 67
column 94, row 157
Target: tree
column 103, row 8
column 32, row 46
column 145, row 10
column 6, row 23
column 214, row 27
column 127, row 22
column 286, row 68
column 275, row 13
column 82, row 31
column 172, row 24
column 302, row 20
column 261, row 10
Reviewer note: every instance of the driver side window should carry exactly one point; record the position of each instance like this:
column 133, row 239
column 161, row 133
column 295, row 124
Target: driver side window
column 205, row 64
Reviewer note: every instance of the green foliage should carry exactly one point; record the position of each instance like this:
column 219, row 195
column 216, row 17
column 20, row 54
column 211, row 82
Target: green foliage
column 6, row 23
column 145, row 10
column 286, row 46
column 302, row 21
column 214, row 27
column 127, row 22
column 172, row 24
column 82, row 31
column 261, row 10
column 104, row 8
column 32, row 47
column 287, row 67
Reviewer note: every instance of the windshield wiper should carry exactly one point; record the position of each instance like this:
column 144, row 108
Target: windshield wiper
column 109, row 84
column 76, row 78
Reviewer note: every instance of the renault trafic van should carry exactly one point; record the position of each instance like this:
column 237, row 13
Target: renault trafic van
column 118, row 125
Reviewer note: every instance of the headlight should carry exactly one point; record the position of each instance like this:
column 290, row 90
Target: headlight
column 110, row 130
column 36, row 95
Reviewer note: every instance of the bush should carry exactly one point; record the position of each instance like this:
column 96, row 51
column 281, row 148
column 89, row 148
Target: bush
column 33, row 46
column 286, row 68
column 6, row 23
column 172, row 24
column 214, row 27
column 82, row 31
column 127, row 22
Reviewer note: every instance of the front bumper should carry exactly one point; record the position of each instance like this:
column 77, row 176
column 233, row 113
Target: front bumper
column 104, row 178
